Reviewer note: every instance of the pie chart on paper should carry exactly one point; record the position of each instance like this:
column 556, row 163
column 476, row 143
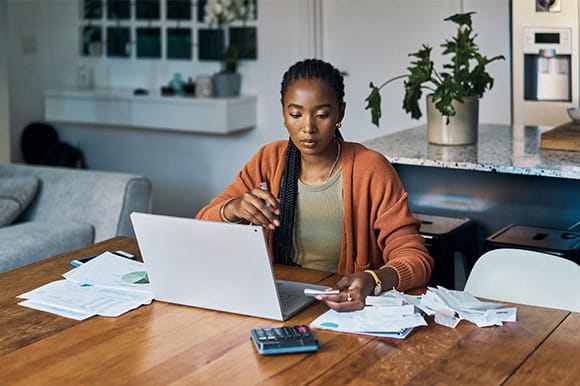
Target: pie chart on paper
column 137, row 277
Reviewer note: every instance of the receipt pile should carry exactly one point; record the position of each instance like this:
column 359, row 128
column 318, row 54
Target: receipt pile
column 391, row 311
column 395, row 314
column 389, row 315
column 450, row 306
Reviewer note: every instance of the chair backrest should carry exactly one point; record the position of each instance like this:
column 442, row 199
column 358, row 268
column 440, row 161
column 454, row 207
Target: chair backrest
column 526, row 277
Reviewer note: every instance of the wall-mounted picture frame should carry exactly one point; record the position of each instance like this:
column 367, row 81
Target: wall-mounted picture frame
column 118, row 42
column 245, row 39
column 148, row 43
column 92, row 9
column 179, row 9
column 179, row 45
column 92, row 41
column 211, row 44
column 118, row 9
column 147, row 9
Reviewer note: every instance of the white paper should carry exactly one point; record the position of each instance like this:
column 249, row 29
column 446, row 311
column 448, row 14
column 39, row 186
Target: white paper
column 86, row 299
column 108, row 285
column 373, row 322
column 461, row 300
column 436, row 304
column 383, row 301
column 112, row 271
column 446, row 320
column 450, row 307
column 345, row 322
column 76, row 315
column 378, row 311
column 386, row 315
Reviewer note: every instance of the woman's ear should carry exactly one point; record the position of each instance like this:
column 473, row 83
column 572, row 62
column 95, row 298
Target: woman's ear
column 341, row 109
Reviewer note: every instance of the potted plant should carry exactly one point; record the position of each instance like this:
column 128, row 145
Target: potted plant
column 227, row 81
column 452, row 104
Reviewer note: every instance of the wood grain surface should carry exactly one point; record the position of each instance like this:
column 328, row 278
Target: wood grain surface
column 163, row 343
column 556, row 361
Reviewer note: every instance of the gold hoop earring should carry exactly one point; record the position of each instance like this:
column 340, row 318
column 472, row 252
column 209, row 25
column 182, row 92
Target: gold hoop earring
column 338, row 125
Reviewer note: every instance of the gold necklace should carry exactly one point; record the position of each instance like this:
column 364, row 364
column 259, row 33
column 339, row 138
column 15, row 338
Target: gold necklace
column 334, row 164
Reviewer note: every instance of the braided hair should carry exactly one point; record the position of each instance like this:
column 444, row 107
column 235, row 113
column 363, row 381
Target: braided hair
column 283, row 234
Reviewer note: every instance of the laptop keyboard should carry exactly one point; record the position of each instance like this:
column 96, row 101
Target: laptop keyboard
column 287, row 300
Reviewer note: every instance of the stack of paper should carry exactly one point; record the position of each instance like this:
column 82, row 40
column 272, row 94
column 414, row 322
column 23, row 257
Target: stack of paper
column 108, row 285
column 392, row 315
column 449, row 307
column 395, row 314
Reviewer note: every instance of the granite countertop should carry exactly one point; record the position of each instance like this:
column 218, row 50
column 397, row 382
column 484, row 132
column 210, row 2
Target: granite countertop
column 500, row 148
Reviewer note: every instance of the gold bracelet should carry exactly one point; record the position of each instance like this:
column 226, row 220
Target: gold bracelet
column 222, row 214
column 378, row 283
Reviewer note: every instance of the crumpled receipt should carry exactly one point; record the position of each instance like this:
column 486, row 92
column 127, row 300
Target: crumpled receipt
column 449, row 307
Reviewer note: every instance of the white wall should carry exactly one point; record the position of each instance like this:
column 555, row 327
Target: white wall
column 4, row 94
column 369, row 39
column 376, row 46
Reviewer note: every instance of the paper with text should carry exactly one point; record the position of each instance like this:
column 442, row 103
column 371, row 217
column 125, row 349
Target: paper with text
column 108, row 285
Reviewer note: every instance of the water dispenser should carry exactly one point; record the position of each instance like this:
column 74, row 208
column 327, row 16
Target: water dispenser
column 547, row 64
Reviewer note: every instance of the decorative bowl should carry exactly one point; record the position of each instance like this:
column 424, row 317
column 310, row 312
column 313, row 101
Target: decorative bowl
column 574, row 113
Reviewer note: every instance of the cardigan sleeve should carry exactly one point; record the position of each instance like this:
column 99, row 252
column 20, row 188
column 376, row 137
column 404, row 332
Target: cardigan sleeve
column 247, row 179
column 265, row 166
column 397, row 231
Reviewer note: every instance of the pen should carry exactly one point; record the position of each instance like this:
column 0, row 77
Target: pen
column 264, row 186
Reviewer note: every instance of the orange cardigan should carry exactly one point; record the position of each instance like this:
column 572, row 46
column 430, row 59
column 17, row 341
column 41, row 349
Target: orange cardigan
column 378, row 227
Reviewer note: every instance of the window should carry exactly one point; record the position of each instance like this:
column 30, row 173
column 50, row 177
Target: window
column 161, row 29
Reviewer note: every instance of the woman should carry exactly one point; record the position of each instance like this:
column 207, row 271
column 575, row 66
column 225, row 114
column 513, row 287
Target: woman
column 326, row 203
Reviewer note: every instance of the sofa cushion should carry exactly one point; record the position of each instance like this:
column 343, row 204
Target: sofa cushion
column 15, row 195
column 25, row 243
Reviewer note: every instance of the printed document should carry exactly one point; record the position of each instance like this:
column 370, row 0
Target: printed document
column 389, row 315
column 108, row 285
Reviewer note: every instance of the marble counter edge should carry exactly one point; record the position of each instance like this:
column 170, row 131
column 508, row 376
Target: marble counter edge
column 481, row 167
column 407, row 147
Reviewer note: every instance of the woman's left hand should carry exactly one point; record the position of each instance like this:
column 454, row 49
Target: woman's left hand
column 354, row 289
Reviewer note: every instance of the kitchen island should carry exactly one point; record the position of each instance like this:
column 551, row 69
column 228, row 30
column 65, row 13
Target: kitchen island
column 506, row 178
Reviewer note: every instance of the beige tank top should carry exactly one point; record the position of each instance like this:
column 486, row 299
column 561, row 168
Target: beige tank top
column 318, row 224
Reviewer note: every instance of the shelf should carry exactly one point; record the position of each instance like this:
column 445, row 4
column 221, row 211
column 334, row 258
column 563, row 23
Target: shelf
column 117, row 107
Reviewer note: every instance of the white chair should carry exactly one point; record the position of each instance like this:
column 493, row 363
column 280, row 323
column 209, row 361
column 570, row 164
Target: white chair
column 526, row 277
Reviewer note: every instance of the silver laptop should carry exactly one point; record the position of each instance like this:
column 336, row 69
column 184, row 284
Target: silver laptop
column 219, row 266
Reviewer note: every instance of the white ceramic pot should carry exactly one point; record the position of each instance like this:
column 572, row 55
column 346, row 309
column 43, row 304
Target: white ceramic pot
column 461, row 129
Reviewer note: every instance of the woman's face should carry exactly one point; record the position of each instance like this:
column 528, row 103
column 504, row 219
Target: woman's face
column 311, row 113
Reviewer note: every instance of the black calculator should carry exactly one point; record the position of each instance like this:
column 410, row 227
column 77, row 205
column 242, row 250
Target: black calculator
column 281, row 340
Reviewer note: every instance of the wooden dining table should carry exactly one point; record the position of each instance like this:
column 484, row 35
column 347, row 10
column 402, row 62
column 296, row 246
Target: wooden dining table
column 161, row 343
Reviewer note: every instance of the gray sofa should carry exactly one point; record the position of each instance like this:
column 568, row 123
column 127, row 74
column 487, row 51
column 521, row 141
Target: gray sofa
column 62, row 209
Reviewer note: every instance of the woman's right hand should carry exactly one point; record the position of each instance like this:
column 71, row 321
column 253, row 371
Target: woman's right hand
column 258, row 206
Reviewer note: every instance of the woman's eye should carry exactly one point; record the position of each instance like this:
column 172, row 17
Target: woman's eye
column 322, row 116
column 295, row 116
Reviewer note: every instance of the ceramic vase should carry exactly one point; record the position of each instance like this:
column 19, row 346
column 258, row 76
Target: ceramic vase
column 461, row 128
column 227, row 85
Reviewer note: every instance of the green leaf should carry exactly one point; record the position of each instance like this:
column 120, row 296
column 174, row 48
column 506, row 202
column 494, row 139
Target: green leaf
column 374, row 104
column 461, row 19
column 464, row 74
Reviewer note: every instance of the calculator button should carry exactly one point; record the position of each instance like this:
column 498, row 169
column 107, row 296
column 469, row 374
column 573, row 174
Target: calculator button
column 285, row 339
